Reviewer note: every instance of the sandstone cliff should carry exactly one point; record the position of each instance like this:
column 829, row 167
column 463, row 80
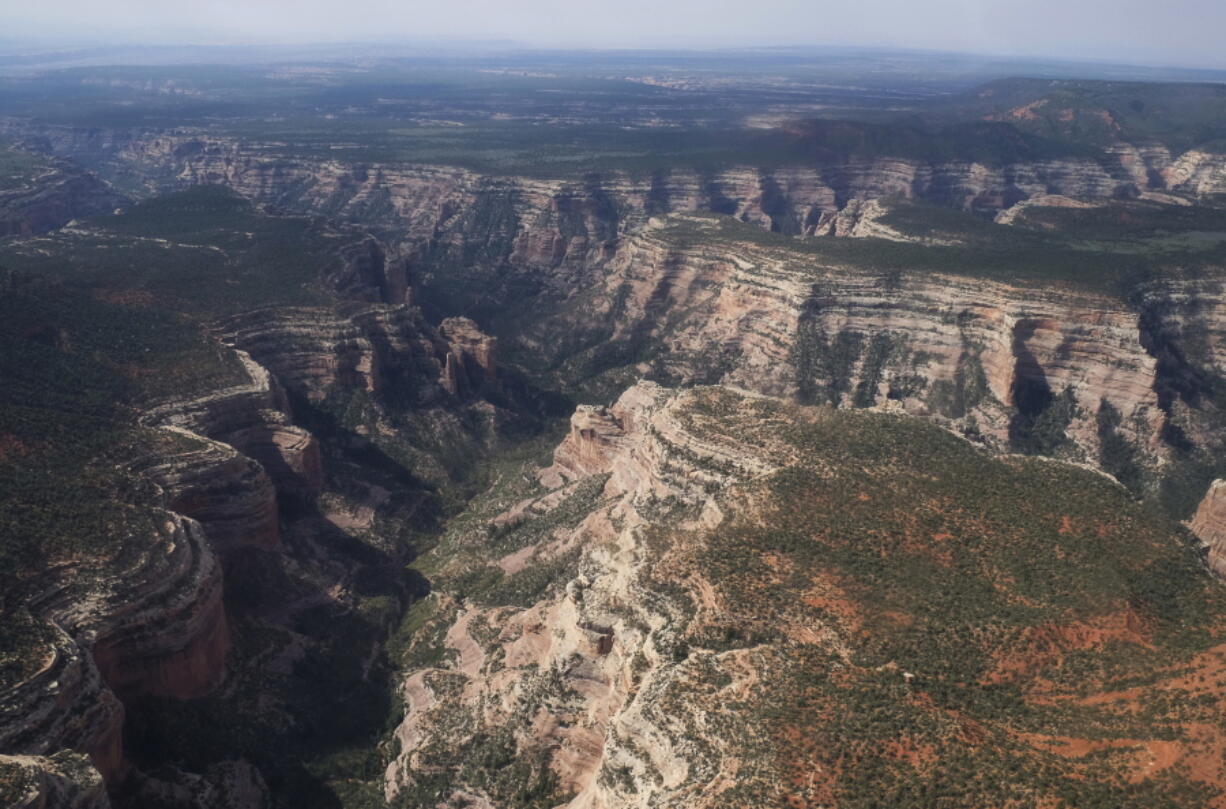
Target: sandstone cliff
column 1209, row 525
column 567, row 222
column 643, row 629
column 252, row 418
column 977, row 355
column 228, row 493
column 998, row 361
column 793, row 200
column 148, row 622
column 371, row 348
column 566, row 675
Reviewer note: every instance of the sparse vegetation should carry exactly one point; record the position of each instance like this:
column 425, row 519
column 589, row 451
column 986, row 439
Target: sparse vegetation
column 857, row 610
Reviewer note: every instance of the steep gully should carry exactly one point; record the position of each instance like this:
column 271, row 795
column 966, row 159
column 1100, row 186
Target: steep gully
column 985, row 358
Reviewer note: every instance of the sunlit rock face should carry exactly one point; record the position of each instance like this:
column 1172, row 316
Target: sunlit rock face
column 1209, row 525
column 792, row 199
column 965, row 352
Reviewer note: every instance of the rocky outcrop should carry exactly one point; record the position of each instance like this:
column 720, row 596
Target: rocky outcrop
column 1010, row 215
column 977, row 355
column 54, row 198
column 151, row 622
column 251, row 417
column 596, row 435
column 229, row 784
column 1197, row 172
column 65, row 705
column 228, row 493
column 371, row 271
column 861, row 219
column 159, row 626
column 471, row 357
column 1209, row 525
column 309, row 351
column 62, row 781
column 1184, row 327
column 372, row 348
column 572, row 666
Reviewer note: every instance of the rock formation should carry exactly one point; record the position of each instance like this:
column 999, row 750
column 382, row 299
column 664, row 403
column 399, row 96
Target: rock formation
column 565, row 677
column 60, row 194
column 593, row 642
column 470, row 361
column 792, row 199
column 564, row 222
column 253, row 419
column 153, row 623
column 958, row 350
column 1209, row 525
column 626, row 681
column 63, row 781
column 313, row 351
column 230, row 494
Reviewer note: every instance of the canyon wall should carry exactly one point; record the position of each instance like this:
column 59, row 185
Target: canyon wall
column 149, row 622
column 989, row 358
column 645, row 629
column 477, row 218
column 976, row 355
column 253, row 418
column 571, row 681
column 997, row 361
column 797, row 200
column 63, row 781
column 57, row 196
column 1083, row 376
column 1086, row 377
column 1209, row 525
column 371, row 348
column 224, row 466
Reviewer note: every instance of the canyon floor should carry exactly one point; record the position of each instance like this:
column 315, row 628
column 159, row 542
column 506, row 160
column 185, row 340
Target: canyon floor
column 672, row 430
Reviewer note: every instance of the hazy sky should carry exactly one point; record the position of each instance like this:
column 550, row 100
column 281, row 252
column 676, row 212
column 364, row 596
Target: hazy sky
column 1162, row 31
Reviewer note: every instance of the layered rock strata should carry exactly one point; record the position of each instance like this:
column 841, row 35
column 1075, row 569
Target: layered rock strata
column 1209, row 525
column 471, row 360
column 227, row 492
column 65, row 705
column 566, row 675
column 162, row 628
column 557, row 223
column 966, row 352
column 152, row 623
column 792, row 199
column 377, row 346
column 253, row 418
column 664, row 665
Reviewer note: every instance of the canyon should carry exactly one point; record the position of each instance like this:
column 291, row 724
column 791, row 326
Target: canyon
column 660, row 666
column 864, row 478
column 232, row 481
